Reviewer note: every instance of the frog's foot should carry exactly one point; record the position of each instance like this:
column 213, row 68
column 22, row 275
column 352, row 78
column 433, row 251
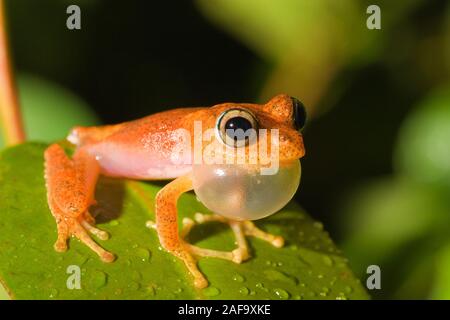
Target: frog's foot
column 240, row 230
column 188, row 252
column 238, row 255
column 80, row 227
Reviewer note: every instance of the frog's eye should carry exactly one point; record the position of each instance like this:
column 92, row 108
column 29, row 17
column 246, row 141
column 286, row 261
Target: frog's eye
column 299, row 114
column 236, row 127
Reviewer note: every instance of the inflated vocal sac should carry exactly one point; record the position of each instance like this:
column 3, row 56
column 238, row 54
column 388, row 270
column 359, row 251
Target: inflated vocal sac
column 245, row 192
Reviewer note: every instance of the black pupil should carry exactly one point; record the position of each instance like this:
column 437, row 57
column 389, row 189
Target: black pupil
column 299, row 114
column 237, row 123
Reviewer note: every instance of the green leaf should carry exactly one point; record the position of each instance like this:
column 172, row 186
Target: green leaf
column 308, row 267
column 441, row 288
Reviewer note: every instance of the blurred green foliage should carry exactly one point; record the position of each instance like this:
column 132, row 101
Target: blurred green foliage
column 441, row 289
column 402, row 222
column 304, row 54
column 307, row 42
column 423, row 151
column 50, row 110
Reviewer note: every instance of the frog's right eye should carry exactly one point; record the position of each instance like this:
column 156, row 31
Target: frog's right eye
column 236, row 127
column 299, row 114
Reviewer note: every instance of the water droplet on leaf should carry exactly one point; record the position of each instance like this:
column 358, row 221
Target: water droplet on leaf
column 99, row 279
column 237, row 277
column 244, row 291
column 53, row 293
column 143, row 254
column 260, row 285
column 281, row 293
column 178, row 290
column 327, row 260
column 211, row 292
column 136, row 276
column 133, row 285
column 276, row 275
column 114, row 223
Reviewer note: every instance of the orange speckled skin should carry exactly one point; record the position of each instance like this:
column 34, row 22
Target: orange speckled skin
column 141, row 149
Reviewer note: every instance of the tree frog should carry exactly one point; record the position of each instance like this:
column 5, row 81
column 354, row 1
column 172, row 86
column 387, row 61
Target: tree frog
column 143, row 149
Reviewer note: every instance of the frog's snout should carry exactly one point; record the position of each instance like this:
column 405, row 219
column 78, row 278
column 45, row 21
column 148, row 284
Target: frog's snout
column 291, row 145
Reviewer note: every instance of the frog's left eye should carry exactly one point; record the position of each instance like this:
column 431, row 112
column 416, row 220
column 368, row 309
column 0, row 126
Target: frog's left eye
column 236, row 127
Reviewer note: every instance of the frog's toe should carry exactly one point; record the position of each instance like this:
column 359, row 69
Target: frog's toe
column 238, row 255
column 102, row 235
column 251, row 230
column 79, row 228
column 241, row 229
column 60, row 245
column 63, row 235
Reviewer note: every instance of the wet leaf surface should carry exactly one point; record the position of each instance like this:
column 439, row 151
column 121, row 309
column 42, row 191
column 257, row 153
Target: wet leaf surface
column 308, row 267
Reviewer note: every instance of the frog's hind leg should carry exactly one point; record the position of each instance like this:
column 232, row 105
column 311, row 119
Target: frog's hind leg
column 70, row 191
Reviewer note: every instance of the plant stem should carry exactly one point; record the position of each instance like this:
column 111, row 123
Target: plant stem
column 10, row 116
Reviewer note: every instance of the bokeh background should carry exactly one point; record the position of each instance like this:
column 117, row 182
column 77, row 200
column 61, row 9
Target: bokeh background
column 377, row 170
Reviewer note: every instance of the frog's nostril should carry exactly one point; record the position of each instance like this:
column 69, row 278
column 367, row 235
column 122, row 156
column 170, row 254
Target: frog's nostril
column 299, row 113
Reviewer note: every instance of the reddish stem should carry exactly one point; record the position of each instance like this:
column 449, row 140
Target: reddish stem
column 10, row 116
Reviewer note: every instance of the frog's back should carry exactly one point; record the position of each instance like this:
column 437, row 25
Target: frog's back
column 140, row 149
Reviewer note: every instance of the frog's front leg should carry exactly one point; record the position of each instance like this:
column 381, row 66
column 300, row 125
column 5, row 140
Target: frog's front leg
column 167, row 228
column 70, row 191
column 169, row 237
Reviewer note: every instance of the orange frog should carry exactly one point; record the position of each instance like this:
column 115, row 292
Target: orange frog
column 144, row 149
